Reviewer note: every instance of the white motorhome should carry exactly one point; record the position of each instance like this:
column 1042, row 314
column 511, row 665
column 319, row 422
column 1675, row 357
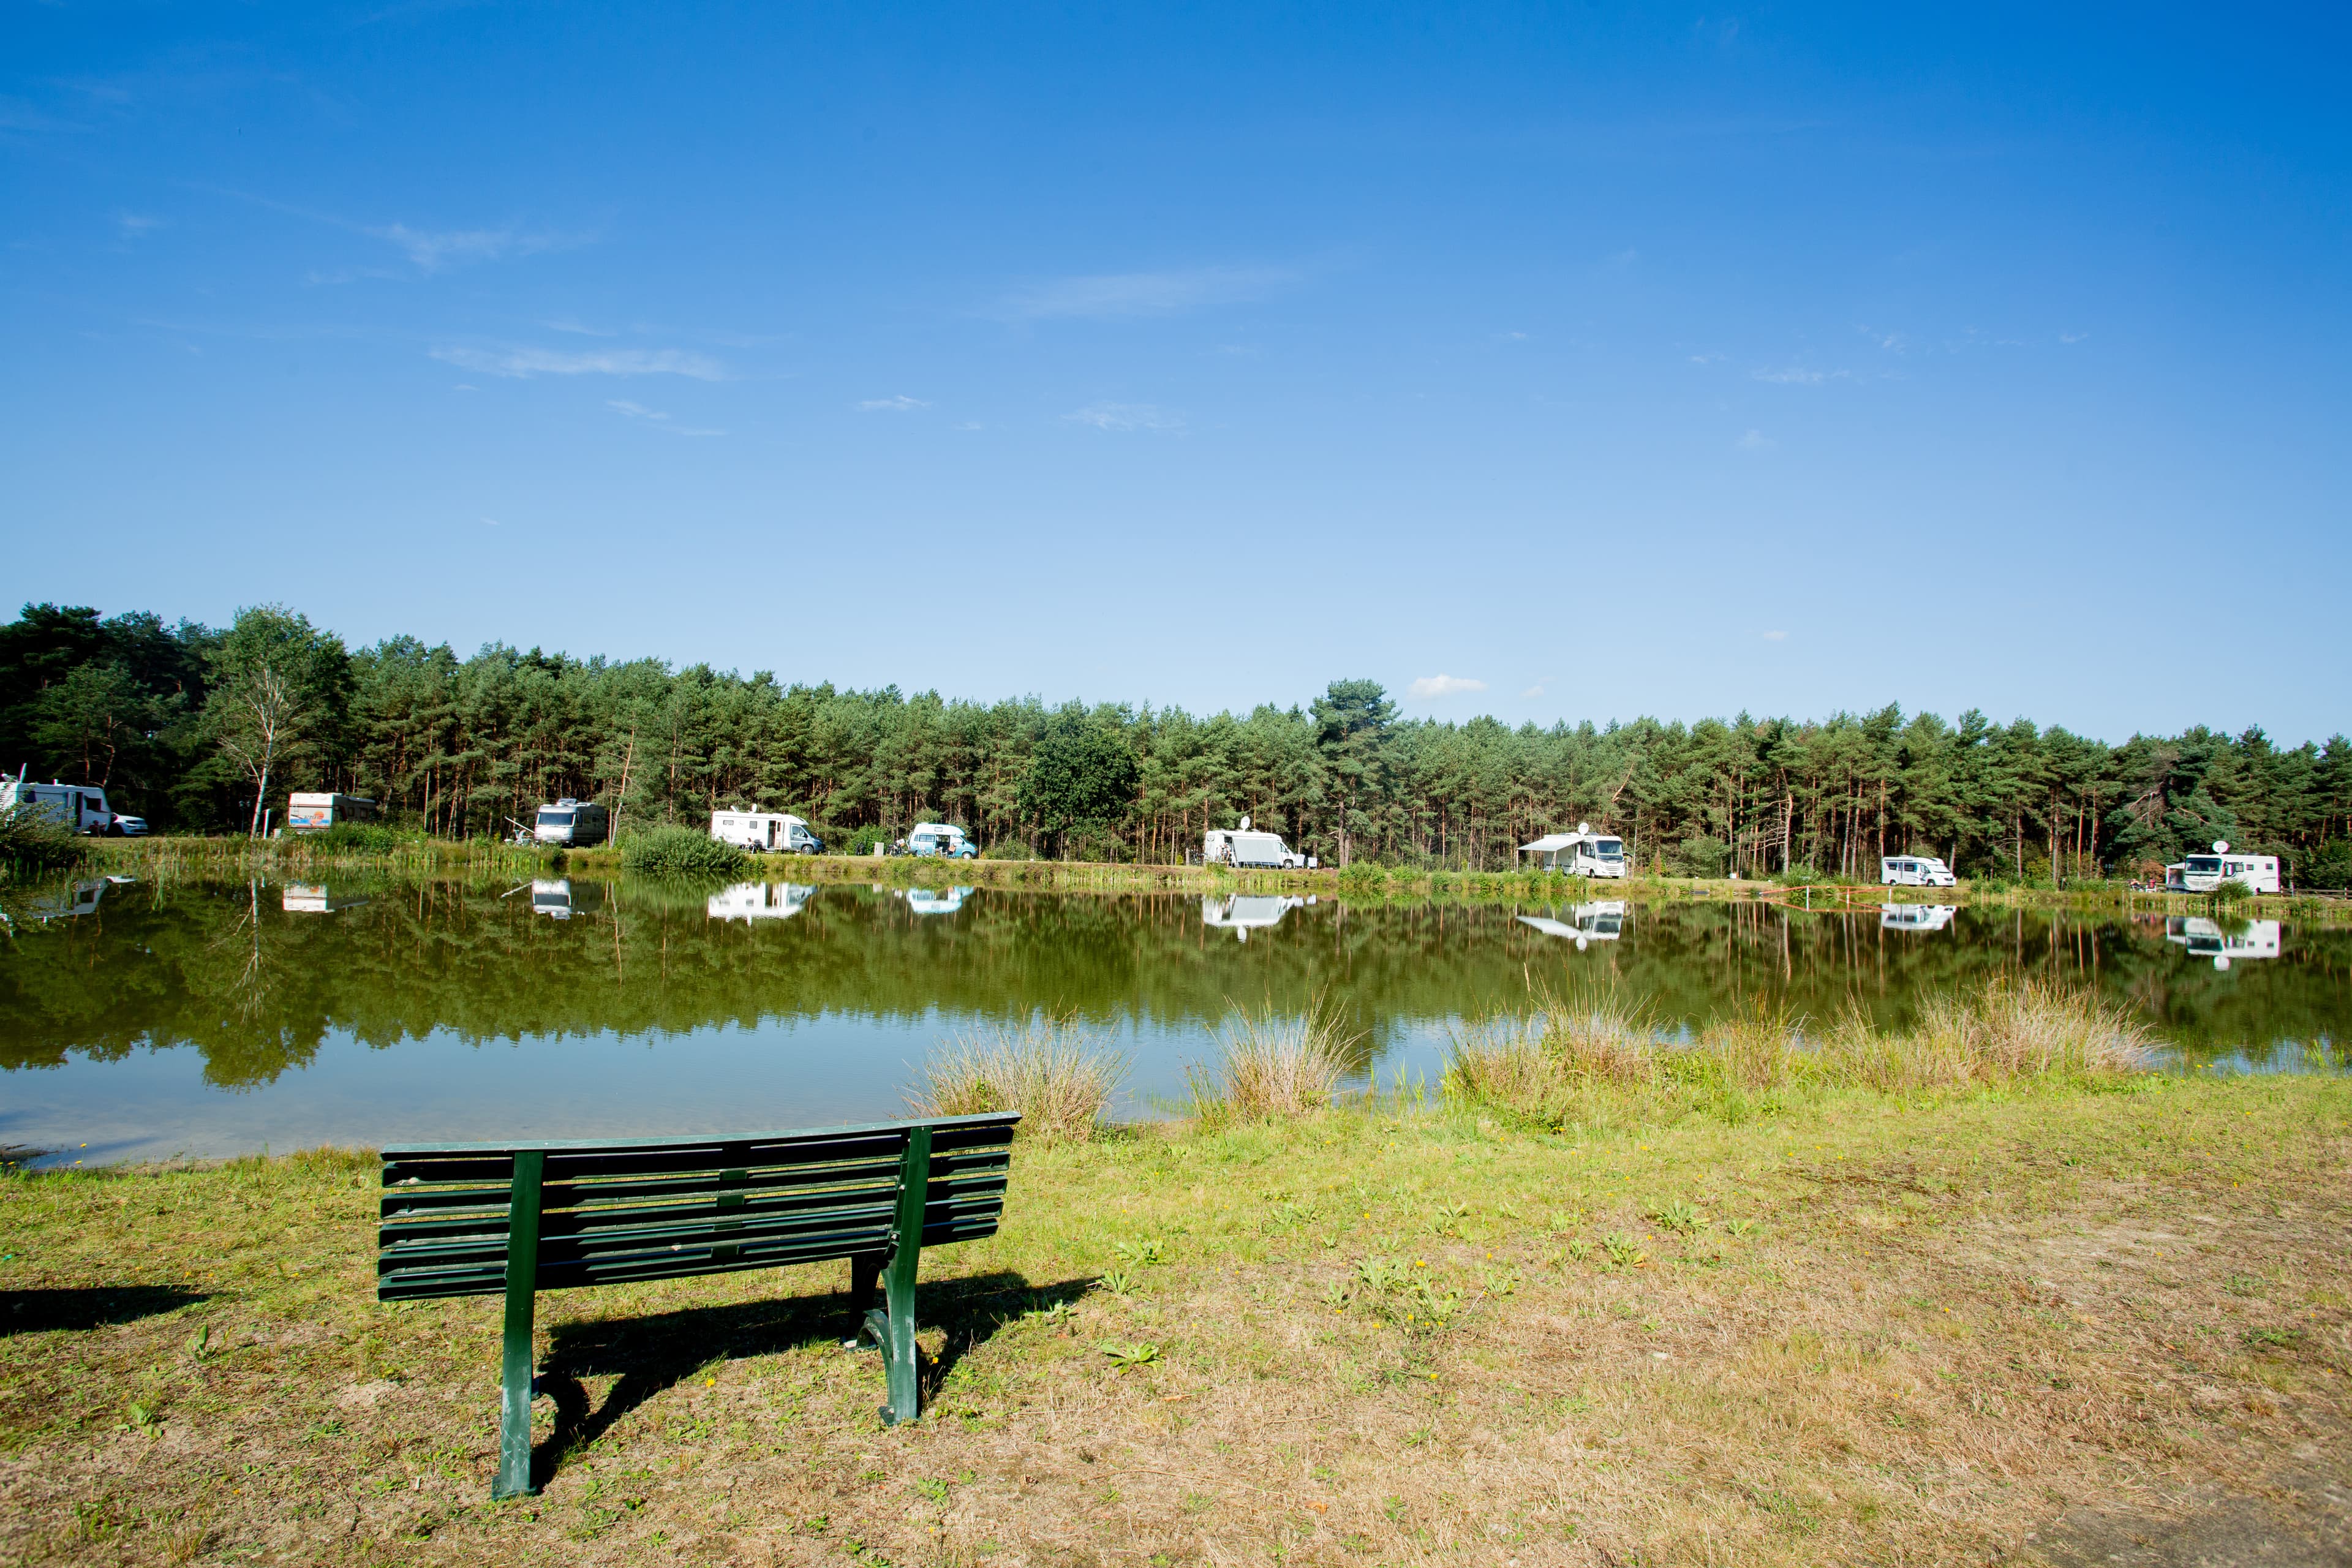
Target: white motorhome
column 1916, row 917
column 748, row 902
column 2225, row 946
column 1242, row 913
column 308, row 812
column 1586, row 923
column 81, row 807
column 764, row 832
column 938, row 838
column 1246, row 845
column 573, row 824
column 2203, row 873
column 1914, row 871
column 1583, row 853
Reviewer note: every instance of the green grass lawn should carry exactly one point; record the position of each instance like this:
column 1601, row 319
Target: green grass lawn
column 1851, row 1327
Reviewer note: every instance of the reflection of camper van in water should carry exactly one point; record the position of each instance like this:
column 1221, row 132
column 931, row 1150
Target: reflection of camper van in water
column 559, row 900
column 1583, row 853
column 2209, row 939
column 760, row 900
column 935, row 901
column 1914, row 871
column 2203, row 873
column 1585, row 924
column 71, row 903
column 1245, row 846
column 313, row 899
column 1916, row 917
column 1242, row 913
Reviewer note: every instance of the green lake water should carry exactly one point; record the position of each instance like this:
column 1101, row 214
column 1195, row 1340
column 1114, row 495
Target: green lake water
column 146, row 1019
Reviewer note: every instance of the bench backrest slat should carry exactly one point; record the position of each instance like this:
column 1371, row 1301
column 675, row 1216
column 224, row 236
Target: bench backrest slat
column 655, row 1208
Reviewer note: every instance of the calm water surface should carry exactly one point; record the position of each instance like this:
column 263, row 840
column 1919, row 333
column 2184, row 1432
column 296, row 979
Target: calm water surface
column 142, row 1020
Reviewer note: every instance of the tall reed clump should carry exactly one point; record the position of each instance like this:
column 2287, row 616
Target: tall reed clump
column 1274, row 1064
column 34, row 839
column 1050, row 1067
column 676, row 851
column 1592, row 1058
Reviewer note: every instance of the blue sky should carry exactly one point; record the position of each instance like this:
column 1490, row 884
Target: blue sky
column 1555, row 361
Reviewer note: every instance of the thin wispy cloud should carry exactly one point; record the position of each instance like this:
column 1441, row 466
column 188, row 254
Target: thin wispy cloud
column 521, row 364
column 436, row 251
column 655, row 417
column 1776, row 637
column 1799, row 375
column 1756, row 441
column 1443, row 686
column 136, row 225
column 1127, row 417
column 2072, row 337
column 1109, row 296
column 902, row 403
column 580, row 328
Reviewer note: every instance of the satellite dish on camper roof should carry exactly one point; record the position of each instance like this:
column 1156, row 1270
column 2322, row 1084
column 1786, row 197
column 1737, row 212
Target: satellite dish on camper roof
column 1244, row 825
column 1584, row 827
column 2221, row 847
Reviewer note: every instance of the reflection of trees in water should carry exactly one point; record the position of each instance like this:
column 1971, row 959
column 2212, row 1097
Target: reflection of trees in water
column 256, row 988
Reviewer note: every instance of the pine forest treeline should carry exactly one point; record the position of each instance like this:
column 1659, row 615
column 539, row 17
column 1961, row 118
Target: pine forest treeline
column 196, row 726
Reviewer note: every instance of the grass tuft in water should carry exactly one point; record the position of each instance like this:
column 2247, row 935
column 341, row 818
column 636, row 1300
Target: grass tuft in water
column 1050, row 1067
column 1274, row 1064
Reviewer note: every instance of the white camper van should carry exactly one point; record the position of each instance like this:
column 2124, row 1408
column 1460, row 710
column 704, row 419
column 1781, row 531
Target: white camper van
column 940, row 839
column 1246, row 845
column 573, row 824
column 81, row 807
column 765, row 832
column 1583, row 853
column 2203, row 873
column 307, row 812
column 1914, row 871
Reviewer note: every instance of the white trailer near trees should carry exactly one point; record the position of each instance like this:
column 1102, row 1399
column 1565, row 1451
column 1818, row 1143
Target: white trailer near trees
column 82, row 809
column 1245, row 846
column 764, row 832
column 1583, row 853
column 308, row 811
column 2203, row 873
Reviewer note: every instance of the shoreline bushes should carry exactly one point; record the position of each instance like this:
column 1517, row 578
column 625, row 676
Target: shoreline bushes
column 676, row 851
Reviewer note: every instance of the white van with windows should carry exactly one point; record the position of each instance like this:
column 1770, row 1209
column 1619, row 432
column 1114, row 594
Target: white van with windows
column 2203, row 873
column 938, row 838
column 1914, row 871
column 1245, row 846
column 81, row 807
column 765, row 832
column 1583, row 853
column 573, row 824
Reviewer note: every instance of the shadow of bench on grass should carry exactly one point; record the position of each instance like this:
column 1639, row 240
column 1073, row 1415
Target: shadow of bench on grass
column 90, row 1307
column 656, row 1351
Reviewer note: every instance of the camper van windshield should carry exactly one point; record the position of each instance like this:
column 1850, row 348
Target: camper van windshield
column 2204, row 862
column 549, row 817
column 1612, row 849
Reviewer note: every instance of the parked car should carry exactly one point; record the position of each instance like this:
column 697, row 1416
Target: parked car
column 129, row 826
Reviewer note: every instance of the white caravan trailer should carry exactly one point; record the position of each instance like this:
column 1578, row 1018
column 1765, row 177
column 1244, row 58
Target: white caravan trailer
column 1916, row 917
column 573, row 824
column 938, row 838
column 748, row 902
column 1586, row 923
column 2203, row 873
column 81, row 807
column 1242, row 913
column 764, row 832
column 1914, row 871
column 2208, row 939
column 1583, row 853
column 309, row 812
column 1246, row 845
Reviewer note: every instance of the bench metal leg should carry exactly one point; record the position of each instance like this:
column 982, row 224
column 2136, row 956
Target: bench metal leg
column 515, row 1369
column 898, row 1280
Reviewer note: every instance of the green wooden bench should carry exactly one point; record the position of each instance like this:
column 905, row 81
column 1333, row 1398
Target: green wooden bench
column 511, row 1219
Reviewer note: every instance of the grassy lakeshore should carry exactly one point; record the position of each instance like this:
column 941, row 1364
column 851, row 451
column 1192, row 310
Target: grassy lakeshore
column 1361, row 883
column 2039, row 1318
